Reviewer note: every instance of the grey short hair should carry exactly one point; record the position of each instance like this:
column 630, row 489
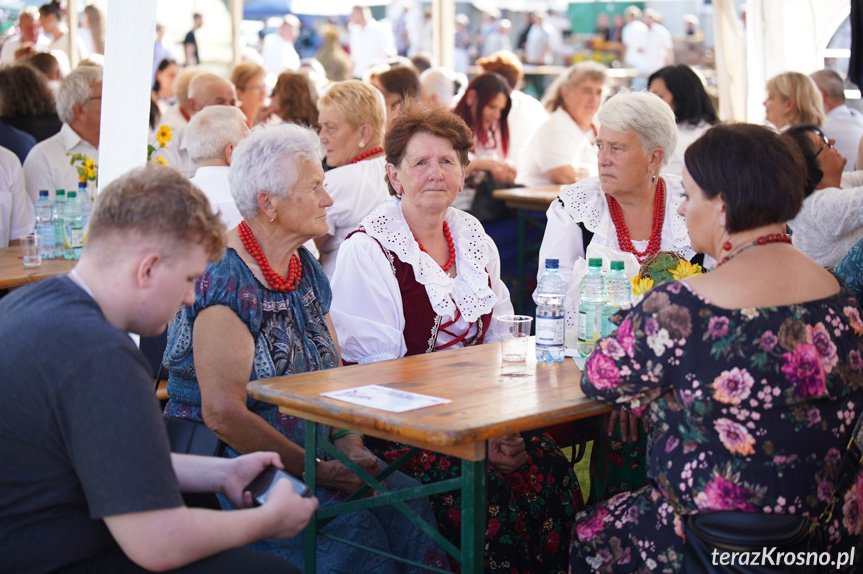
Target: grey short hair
column 75, row 89
column 212, row 129
column 644, row 113
column 831, row 83
column 572, row 77
column 440, row 82
column 269, row 159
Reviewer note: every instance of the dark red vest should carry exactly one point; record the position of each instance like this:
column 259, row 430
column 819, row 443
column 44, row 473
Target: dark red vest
column 422, row 324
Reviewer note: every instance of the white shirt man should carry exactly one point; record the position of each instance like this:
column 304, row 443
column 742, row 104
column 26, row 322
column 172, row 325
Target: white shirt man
column 17, row 218
column 278, row 50
column 30, row 36
column 79, row 105
column 658, row 48
column 370, row 41
column 845, row 126
column 634, row 39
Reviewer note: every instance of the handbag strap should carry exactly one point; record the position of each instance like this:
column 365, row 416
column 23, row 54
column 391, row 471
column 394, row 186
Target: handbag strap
column 849, row 466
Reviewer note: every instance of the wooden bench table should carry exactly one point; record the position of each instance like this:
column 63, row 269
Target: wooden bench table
column 14, row 274
column 489, row 398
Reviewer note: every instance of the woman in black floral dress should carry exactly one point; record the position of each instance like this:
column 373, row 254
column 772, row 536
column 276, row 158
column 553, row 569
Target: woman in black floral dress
column 751, row 375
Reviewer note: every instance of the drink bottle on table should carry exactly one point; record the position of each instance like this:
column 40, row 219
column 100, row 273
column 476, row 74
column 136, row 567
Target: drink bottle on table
column 74, row 234
column 590, row 309
column 550, row 315
column 59, row 223
column 617, row 295
column 45, row 239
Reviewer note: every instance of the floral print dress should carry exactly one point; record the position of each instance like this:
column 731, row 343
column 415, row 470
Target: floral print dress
column 750, row 410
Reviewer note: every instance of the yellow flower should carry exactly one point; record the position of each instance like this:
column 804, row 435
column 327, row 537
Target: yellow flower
column 685, row 269
column 82, row 179
column 163, row 135
column 641, row 285
column 161, row 160
column 89, row 164
column 90, row 172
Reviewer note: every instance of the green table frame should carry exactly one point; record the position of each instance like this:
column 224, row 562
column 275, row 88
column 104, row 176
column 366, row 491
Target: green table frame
column 472, row 483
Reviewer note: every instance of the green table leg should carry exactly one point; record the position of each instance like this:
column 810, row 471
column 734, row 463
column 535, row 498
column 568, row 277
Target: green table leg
column 474, row 483
column 310, row 533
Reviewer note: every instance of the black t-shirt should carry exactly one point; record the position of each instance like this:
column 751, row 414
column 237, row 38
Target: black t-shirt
column 81, row 434
column 190, row 39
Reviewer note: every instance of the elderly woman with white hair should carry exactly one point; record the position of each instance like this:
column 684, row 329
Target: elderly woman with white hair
column 630, row 207
column 263, row 311
column 561, row 151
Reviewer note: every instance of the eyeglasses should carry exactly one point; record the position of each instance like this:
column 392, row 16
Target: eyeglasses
column 826, row 143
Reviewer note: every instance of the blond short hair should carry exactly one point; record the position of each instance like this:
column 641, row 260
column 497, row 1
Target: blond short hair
column 359, row 103
column 808, row 106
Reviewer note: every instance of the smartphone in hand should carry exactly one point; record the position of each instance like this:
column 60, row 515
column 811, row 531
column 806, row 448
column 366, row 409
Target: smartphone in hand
column 262, row 484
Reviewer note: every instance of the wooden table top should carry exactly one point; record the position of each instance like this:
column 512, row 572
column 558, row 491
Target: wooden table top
column 14, row 274
column 489, row 397
column 533, row 198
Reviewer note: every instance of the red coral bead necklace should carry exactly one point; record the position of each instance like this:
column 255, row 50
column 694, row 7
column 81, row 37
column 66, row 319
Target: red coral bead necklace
column 451, row 261
column 367, row 153
column 276, row 281
column 763, row 240
column 624, row 240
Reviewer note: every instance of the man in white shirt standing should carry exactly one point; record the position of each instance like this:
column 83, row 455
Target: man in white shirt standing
column 205, row 89
column 842, row 123
column 211, row 137
column 79, row 105
column 634, row 40
column 278, row 51
column 29, row 40
column 659, row 46
column 370, row 40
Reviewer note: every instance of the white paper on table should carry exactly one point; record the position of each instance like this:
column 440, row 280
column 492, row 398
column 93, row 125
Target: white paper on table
column 385, row 398
column 579, row 269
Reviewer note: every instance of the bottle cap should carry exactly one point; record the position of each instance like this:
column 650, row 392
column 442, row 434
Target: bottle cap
column 551, row 263
column 61, row 193
column 72, row 194
column 617, row 265
column 594, row 262
column 43, row 193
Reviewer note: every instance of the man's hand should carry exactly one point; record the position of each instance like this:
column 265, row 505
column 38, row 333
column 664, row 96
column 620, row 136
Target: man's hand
column 291, row 511
column 507, row 453
column 241, row 471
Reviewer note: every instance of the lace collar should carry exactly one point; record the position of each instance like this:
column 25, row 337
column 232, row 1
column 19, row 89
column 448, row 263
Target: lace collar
column 585, row 202
column 469, row 290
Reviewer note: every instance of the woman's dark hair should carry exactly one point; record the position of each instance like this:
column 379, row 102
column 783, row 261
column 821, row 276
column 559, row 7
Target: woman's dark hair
column 487, row 87
column 51, row 8
column 401, row 80
column 296, row 96
column 691, row 102
column 415, row 117
column 163, row 65
column 798, row 134
column 25, row 93
column 155, row 113
column 758, row 172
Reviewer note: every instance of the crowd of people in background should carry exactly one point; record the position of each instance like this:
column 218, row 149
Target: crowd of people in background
column 341, row 209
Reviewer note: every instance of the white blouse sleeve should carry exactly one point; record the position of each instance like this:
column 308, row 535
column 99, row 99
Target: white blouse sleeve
column 562, row 241
column 367, row 303
column 503, row 306
column 840, row 210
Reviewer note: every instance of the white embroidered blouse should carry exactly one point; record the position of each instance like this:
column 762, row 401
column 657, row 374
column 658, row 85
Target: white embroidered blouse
column 367, row 306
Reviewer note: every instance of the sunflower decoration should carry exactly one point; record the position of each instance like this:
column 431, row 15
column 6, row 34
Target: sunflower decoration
column 87, row 168
column 662, row 267
column 163, row 137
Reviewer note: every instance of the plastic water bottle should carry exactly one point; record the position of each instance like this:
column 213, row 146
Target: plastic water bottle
column 59, row 222
column 73, row 237
column 617, row 295
column 550, row 315
column 590, row 307
column 84, row 202
column 45, row 225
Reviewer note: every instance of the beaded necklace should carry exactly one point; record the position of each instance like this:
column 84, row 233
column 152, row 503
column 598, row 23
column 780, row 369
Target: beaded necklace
column 451, row 261
column 763, row 240
column 367, row 153
column 623, row 237
column 276, row 281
